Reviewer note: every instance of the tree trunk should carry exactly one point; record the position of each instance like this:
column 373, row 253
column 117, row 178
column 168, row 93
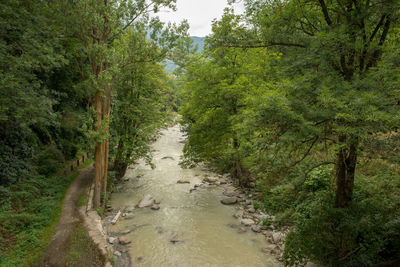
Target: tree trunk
column 345, row 171
column 98, row 155
column 107, row 113
column 238, row 163
column 120, row 170
column 120, row 165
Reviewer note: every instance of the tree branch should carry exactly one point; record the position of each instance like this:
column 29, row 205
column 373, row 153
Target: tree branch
column 378, row 26
column 305, row 154
column 262, row 44
column 325, row 11
column 385, row 31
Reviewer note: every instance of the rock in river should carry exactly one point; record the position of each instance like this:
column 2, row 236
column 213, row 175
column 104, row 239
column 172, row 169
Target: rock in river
column 175, row 237
column 238, row 214
column 117, row 253
column 247, row 222
column 229, row 201
column 123, row 241
column 210, row 179
column 256, row 228
column 229, row 193
column 242, row 230
column 251, row 210
column 277, row 237
column 147, row 201
column 155, row 207
column 183, row 181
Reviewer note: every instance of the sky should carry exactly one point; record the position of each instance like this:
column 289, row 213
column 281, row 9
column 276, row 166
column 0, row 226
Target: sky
column 199, row 13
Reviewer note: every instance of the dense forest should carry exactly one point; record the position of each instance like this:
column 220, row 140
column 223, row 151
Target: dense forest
column 76, row 77
column 298, row 98
column 302, row 99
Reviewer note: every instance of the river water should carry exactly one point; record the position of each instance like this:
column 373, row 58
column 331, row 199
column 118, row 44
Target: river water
column 204, row 228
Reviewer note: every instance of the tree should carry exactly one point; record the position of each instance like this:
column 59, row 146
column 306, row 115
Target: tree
column 330, row 48
column 141, row 104
column 98, row 24
column 216, row 95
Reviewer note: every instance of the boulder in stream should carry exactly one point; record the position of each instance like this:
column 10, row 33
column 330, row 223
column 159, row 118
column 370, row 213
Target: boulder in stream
column 117, row 253
column 125, row 232
column 247, row 222
column 210, row 179
column 229, row 193
column 268, row 249
column 242, row 230
column 277, row 237
column 155, row 207
column 129, row 209
column 123, row 241
column 183, row 181
column 229, row 201
column 175, row 237
column 238, row 214
column 251, row 210
column 223, row 181
column 147, row 201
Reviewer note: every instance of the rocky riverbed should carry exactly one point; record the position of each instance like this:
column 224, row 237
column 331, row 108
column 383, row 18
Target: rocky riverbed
column 170, row 216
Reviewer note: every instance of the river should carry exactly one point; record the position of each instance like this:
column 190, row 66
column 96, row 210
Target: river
column 205, row 231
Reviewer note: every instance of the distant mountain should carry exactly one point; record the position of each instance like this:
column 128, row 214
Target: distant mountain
column 199, row 41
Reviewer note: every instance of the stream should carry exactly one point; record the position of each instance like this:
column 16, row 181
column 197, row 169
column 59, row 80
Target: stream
column 190, row 228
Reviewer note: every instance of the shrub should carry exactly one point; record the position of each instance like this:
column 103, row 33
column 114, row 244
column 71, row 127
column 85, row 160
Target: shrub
column 358, row 235
column 49, row 160
column 318, row 179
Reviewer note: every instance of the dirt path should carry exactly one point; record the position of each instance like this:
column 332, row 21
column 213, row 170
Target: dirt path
column 60, row 246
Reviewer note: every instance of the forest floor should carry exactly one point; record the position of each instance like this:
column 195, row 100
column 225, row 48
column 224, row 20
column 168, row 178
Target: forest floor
column 71, row 246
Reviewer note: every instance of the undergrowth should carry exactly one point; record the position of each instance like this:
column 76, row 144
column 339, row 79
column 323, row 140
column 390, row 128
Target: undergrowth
column 29, row 213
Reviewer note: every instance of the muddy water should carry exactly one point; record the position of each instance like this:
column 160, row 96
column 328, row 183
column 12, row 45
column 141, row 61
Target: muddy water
column 204, row 228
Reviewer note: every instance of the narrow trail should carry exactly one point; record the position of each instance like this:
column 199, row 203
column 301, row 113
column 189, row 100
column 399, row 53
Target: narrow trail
column 190, row 226
column 57, row 252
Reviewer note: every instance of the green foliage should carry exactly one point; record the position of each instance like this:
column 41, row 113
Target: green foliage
column 318, row 179
column 15, row 153
column 82, row 200
column 100, row 212
column 49, row 160
column 143, row 99
column 82, row 251
column 256, row 204
column 28, row 209
column 298, row 94
column 355, row 236
column 54, row 57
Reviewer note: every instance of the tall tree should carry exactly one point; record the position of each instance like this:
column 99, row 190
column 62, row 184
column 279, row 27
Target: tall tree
column 98, row 24
column 141, row 90
column 330, row 48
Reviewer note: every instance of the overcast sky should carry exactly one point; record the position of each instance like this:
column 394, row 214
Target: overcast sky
column 199, row 14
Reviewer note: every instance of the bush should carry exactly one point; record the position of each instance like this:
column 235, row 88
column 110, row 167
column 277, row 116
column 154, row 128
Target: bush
column 49, row 160
column 318, row 179
column 358, row 235
column 27, row 209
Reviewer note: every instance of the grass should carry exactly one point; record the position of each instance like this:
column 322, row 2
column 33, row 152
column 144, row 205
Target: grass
column 82, row 251
column 82, row 200
column 32, row 225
